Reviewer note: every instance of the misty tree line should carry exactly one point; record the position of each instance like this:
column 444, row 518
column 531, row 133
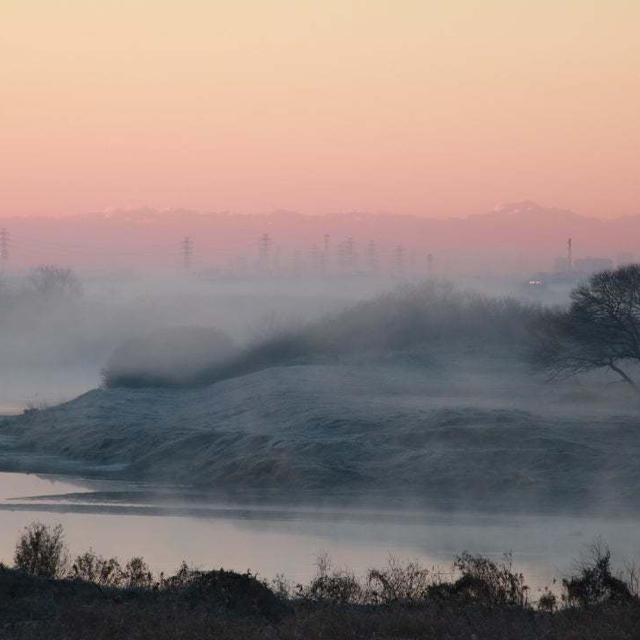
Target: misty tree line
column 49, row 280
column 600, row 329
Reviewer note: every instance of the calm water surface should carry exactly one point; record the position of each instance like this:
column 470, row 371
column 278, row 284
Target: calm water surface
column 110, row 518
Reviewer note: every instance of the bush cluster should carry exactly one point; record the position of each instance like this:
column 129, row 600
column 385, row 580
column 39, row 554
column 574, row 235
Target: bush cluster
column 475, row 579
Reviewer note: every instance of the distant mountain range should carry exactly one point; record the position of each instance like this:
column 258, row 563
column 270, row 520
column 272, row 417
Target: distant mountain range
column 523, row 233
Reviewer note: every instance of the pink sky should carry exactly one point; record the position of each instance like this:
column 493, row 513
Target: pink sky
column 411, row 106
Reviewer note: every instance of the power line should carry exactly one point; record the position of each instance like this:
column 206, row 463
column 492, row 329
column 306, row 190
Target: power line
column 71, row 249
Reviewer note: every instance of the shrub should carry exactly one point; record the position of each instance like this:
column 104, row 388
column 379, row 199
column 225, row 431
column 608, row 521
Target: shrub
column 40, row 551
column 137, row 574
column 238, row 593
column 485, row 582
column 108, row 572
column 409, row 583
column 183, row 577
column 335, row 586
column 595, row 584
column 93, row 568
column 548, row 602
column 282, row 587
column 340, row 587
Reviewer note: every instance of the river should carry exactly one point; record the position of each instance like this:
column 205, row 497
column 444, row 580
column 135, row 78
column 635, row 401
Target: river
column 118, row 519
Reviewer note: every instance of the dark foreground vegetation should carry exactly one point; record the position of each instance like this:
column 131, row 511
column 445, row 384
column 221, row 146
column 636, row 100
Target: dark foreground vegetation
column 48, row 596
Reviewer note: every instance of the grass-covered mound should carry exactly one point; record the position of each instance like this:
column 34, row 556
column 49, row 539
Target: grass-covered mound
column 453, row 437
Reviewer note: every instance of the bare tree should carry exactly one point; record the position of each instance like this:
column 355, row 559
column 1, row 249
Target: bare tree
column 601, row 328
column 40, row 551
column 51, row 280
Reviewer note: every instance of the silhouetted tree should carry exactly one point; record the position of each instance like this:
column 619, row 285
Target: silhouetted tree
column 94, row 568
column 601, row 328
column 40, row 551
column 50, row 280
column 595, row 582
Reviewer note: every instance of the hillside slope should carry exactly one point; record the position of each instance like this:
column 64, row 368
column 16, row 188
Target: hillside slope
column 362, row 430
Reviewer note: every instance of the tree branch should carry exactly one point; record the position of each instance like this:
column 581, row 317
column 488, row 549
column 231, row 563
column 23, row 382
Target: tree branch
column 624, row 376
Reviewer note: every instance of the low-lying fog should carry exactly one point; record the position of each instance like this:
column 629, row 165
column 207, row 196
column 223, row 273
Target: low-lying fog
column 372, row 393
column 56, row 337
column 54, row 343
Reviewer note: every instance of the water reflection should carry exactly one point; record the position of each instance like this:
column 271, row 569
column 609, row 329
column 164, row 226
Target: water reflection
column 122, row 520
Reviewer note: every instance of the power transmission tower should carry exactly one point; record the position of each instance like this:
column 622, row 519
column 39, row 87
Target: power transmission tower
column 398, row 260
column 316, row 259
column 372, row 257
column 264, row 251
column 187, row 252
column 326, row 246
column 4, row 245
column 350, row 253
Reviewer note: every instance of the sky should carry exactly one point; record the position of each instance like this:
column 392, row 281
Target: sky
column 434, row 108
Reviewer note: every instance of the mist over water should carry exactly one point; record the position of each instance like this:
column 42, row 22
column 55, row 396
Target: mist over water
column 361, row 394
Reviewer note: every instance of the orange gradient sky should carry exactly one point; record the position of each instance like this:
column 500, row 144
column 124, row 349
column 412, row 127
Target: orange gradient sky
column 430, row 107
